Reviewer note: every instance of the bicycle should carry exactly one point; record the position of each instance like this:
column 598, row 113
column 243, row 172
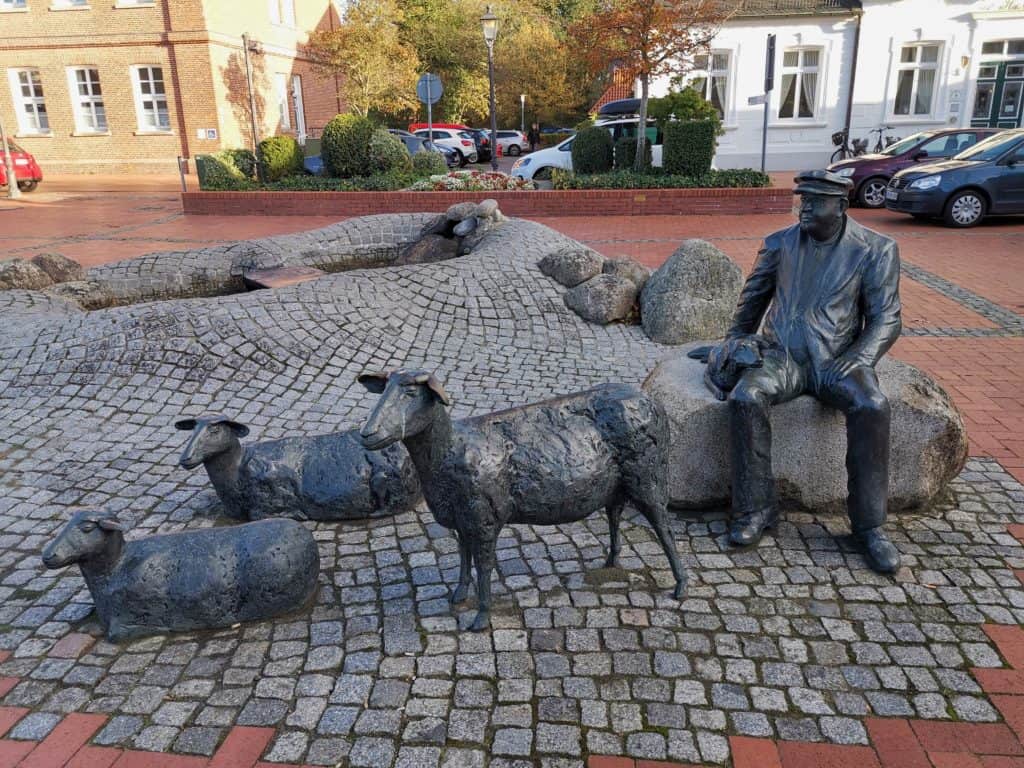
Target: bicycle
column 845, row 151
column 889, row 140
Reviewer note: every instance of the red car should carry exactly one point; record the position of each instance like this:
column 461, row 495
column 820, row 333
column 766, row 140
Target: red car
column 871, row 173
column 26, row 169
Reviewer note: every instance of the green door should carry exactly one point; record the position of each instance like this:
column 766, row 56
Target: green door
column 999, row 96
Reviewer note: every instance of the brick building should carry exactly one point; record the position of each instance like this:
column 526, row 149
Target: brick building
column 96, row 86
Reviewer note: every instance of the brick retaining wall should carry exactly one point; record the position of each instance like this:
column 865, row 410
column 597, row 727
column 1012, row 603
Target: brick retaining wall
column 590, row 202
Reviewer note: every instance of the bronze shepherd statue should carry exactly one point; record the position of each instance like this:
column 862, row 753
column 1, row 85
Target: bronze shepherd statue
column 824, row 294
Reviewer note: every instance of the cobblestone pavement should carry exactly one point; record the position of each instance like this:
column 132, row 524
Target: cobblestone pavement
column 793, row 642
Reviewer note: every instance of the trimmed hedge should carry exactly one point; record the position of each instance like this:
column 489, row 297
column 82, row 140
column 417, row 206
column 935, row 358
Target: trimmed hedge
column 429, row 164
column 229, row 169
column 592, row 151
column 388, row 153
column 378, row 182
column 656, row 178
column 625, row 152
column 281, row 156
column 689, row 147
column 345, row 146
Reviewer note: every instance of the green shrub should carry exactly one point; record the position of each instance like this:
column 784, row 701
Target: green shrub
column 592, row 150
column 428, row 164
column 689, row 147
column 281, row 156
column 388, row 152
column 345, row 146
column 683, row 105
column 625, row 152
column 242, row 159
column 378, row 182
column 219, row 171
column 657, row 178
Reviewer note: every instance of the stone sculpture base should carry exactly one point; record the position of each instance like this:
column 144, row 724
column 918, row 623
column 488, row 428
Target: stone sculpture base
column 928, row 442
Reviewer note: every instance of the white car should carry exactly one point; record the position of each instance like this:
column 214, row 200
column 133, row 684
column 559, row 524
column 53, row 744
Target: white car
column 538, row 165
column 512, row 142
column 460, row 141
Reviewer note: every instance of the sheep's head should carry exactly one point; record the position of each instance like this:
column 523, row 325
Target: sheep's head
column 405, row 407
column 212, row 435
column 85, row 536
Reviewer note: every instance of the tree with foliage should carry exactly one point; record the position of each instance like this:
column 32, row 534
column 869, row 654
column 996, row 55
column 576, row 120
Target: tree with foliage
column 685, row 104
column 378, row 70
column 649, row 38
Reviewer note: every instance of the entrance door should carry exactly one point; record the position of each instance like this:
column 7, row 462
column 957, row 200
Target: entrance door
column 300, row 112
column 999, row 95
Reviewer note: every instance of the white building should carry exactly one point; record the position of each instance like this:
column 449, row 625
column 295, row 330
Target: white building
column 913, row 65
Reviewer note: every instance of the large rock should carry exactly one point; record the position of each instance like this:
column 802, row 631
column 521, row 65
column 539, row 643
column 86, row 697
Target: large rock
column 61, row 269
column 928, row 443
column 629, row 269
column 602, row 299
column 572, row 265
column 18, row 273
column 692, row 296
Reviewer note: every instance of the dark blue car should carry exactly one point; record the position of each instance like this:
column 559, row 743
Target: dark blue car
column 987, row 179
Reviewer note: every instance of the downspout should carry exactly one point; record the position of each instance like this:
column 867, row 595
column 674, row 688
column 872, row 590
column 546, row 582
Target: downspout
column 858, row 13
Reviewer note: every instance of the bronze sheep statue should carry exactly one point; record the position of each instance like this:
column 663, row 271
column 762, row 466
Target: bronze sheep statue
column 179, row 582
column 552, row 462
column 322, row 477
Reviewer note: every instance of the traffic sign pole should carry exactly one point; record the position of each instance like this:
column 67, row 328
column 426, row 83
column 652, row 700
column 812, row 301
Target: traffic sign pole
column 769, row 84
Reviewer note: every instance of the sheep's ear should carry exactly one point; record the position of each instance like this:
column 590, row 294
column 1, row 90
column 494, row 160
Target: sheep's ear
column 185, row 425
column 238, row 428
column 374, row 382
column 434, row 385
column 110, row 524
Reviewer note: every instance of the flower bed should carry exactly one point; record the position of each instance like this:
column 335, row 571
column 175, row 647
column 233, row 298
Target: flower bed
column 471, row 181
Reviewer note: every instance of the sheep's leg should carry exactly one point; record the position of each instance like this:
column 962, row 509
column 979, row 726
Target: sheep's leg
column 484, row 560
column 465, row 571
column 656, row 515
column 614, row 510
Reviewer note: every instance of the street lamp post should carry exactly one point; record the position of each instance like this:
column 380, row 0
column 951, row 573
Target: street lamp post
column 522, row 113
column 490, row 24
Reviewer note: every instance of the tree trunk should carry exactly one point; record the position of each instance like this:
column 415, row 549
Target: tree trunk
column 641, row 129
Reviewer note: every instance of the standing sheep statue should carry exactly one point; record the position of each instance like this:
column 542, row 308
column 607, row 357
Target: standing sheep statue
column 181, row 582
column 323, row 477
column 543, row 464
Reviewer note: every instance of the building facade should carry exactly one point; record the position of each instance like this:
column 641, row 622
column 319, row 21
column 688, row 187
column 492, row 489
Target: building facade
column 912, row 65
column 95, row 86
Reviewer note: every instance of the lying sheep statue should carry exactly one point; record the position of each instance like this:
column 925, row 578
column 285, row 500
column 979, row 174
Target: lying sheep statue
column 180, row 582
column 323, row 477
column 543, row 464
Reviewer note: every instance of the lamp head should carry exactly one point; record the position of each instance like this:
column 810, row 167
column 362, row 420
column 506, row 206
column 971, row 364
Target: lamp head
column 490, row 24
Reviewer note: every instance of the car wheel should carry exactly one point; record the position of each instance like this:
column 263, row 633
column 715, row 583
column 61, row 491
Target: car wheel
column 28, row 186
column 965, row 209
column 872, row 192
column 514, row 150
column 473, row 158
column 543, row 174
column 462, row 158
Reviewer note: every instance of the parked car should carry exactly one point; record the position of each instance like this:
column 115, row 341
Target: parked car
column 987, row 179
column 26, row 169
column 482, row 139
column 461, row 141
column 539, row 165
column 416, row 144
column 871, row 173
column 513, row 142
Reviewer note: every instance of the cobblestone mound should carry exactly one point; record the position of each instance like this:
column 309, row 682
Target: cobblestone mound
column 928, row 445
column 795, row 638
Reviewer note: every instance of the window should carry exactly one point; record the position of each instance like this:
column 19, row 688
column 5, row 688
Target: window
column 799, row 83
column 69, row 4
column 87, row 100
column 11, row 5
column 949, row 145
column 282, row 12
column 27, row 90
column 281, row 90
column 151, row 99
column 983, row 101
column 915, row 80
column 1003, row 47
column 711, row 78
